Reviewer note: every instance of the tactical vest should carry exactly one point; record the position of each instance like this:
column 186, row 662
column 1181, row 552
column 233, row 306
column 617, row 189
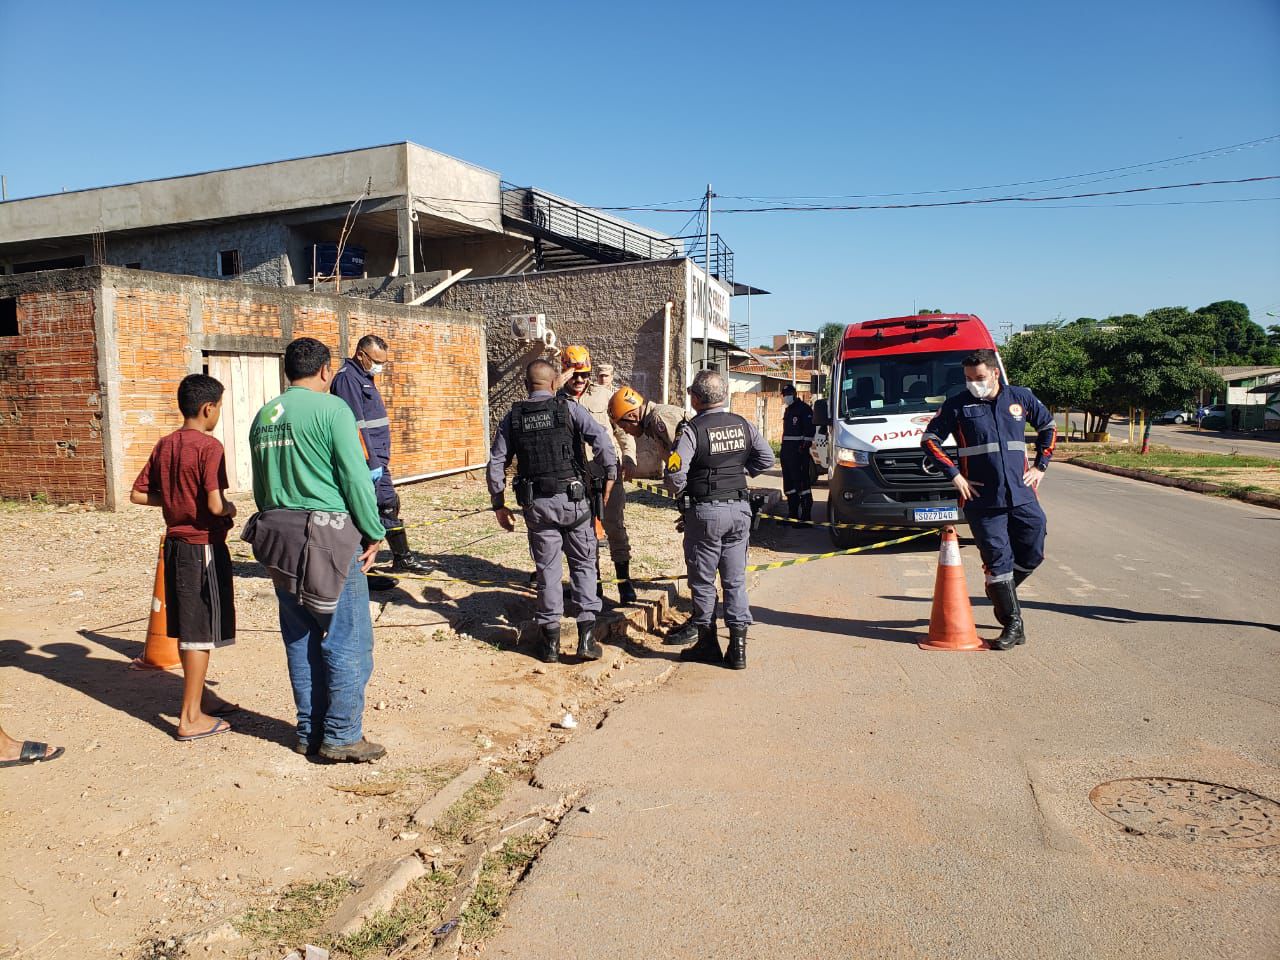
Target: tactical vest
column 548, row 447
column 722, row 444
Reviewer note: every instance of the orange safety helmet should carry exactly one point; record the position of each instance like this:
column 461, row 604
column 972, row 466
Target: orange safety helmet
column 575, row 358
column 623, row 402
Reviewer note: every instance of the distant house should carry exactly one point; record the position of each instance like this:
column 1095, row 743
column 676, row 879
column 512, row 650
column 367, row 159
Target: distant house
column 1250, row 398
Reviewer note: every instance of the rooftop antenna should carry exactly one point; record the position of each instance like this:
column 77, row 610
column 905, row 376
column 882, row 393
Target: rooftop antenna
column 706, row 300
column 347, row 225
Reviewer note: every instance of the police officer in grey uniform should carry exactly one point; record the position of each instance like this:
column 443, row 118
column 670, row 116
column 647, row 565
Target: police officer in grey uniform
column 545, row 435
column 708, row 471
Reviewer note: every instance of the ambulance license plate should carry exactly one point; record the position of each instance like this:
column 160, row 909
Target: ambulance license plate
column 933, row 514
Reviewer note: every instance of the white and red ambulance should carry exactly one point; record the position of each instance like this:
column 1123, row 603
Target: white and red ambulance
column 888, row 379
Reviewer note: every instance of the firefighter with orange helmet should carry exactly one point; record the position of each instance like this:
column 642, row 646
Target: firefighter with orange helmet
column 576, row 384
column 638, row 417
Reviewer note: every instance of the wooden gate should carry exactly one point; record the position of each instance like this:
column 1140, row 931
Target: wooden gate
column 250, row 379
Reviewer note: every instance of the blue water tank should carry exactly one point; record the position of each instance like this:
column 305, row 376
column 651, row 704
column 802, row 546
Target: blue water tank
column 327, row 253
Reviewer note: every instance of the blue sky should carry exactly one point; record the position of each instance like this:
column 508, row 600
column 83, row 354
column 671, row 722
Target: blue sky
column 619, row 104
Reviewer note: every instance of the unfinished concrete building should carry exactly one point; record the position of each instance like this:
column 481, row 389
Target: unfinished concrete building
column 397, row 223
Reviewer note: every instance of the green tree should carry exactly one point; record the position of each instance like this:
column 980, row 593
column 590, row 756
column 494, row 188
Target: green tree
column 1235, row 338
column 1151, row 362
column 829, row 337
column 1057, row 364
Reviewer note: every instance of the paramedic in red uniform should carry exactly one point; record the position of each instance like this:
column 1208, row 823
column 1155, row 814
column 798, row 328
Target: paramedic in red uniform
column 996, row 479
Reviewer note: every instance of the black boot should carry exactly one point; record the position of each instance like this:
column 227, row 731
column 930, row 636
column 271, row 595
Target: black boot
column 1018, row 577
column 999, row 612
column 404, row 560
column 706, row 650
column 805, row 510
column 735, row 658
column 549, row 651
column 626, row 592
column 588, row 649
column 409, row 563
column 1005, row 600
column 681, row 635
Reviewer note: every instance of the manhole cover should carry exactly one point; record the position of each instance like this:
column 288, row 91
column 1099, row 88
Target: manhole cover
column 1190, row 810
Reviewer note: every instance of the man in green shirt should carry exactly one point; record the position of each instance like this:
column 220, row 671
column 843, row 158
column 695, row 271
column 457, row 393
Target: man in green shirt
column 317, row 533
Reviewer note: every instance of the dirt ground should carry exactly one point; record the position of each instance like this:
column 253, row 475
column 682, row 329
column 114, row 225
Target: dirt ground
column 132, row 837
column 1260, row 478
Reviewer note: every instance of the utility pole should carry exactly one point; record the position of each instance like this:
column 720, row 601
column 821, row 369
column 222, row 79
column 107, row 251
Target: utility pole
column 706, row 300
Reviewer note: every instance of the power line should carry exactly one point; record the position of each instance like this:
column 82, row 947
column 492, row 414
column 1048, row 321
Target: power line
column 1154, row 203
column 791, row 208
column 1188, row 157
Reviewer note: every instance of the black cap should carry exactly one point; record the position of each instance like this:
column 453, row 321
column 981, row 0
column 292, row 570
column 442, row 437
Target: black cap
column 788, row 390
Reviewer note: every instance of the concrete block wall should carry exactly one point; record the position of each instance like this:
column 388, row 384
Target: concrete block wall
column 90, row 383
column 615, row 310
column 51, row 410
column 194, row 251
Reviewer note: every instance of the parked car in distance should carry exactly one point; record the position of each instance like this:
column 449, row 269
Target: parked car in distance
column 1215, row 415
column 1173, row 416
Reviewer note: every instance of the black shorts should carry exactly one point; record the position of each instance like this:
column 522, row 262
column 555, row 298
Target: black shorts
column 199, row 605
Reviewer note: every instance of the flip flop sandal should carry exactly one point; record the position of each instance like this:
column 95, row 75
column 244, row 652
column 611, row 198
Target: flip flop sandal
column 221, row 726
column 32, row 752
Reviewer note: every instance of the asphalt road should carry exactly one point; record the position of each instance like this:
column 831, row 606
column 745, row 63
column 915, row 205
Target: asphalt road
column 851, row 795
column 1213, row 441
column 1190, row 437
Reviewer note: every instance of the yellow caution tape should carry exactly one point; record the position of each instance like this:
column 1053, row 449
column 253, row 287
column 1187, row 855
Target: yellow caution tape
column 751, row 568
column 662, row 492
column 839, row 553
column 437, row 522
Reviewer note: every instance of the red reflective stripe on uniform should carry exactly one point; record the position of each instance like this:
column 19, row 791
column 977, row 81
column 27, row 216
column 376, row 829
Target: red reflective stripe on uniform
column 934, row 448
column 1053, row 441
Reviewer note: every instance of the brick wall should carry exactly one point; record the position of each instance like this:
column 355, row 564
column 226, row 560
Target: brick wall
column 615, row 310
column 153, row 329
column 764, row 410
column 50, row 407
column 153, row 352
column 434, row 388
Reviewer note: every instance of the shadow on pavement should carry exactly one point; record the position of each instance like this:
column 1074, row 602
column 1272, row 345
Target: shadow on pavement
column 1088, row 611
column 892, row 631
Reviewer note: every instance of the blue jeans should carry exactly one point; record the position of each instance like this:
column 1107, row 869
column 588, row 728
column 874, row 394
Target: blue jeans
column 330, row 661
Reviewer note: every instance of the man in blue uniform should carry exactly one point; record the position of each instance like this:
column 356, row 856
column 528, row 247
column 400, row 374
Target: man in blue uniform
column 996, row 479
column 354, row 384
column 797, row 437
column 707, row 470
column 546, row 436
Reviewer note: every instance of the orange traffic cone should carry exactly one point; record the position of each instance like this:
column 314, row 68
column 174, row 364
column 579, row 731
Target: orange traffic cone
column 951, row 624
column 161, row 650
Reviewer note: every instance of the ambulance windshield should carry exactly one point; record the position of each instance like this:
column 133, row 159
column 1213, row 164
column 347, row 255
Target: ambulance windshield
column 905, row 383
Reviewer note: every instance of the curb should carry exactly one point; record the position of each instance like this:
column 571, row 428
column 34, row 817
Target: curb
column 1195, row 486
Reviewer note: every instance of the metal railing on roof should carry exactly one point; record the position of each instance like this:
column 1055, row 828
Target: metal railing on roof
column 695, row 248
column 559, row 221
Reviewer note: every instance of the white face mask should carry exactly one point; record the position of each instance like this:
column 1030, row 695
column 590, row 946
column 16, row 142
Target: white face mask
column 375, row 369
column 979, row 388
column 788, row 400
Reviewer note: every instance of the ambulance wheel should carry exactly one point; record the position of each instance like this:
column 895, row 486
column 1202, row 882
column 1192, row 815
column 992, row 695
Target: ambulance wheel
column 844, row 538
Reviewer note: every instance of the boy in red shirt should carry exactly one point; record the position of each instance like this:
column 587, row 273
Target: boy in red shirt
column 187, row 476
